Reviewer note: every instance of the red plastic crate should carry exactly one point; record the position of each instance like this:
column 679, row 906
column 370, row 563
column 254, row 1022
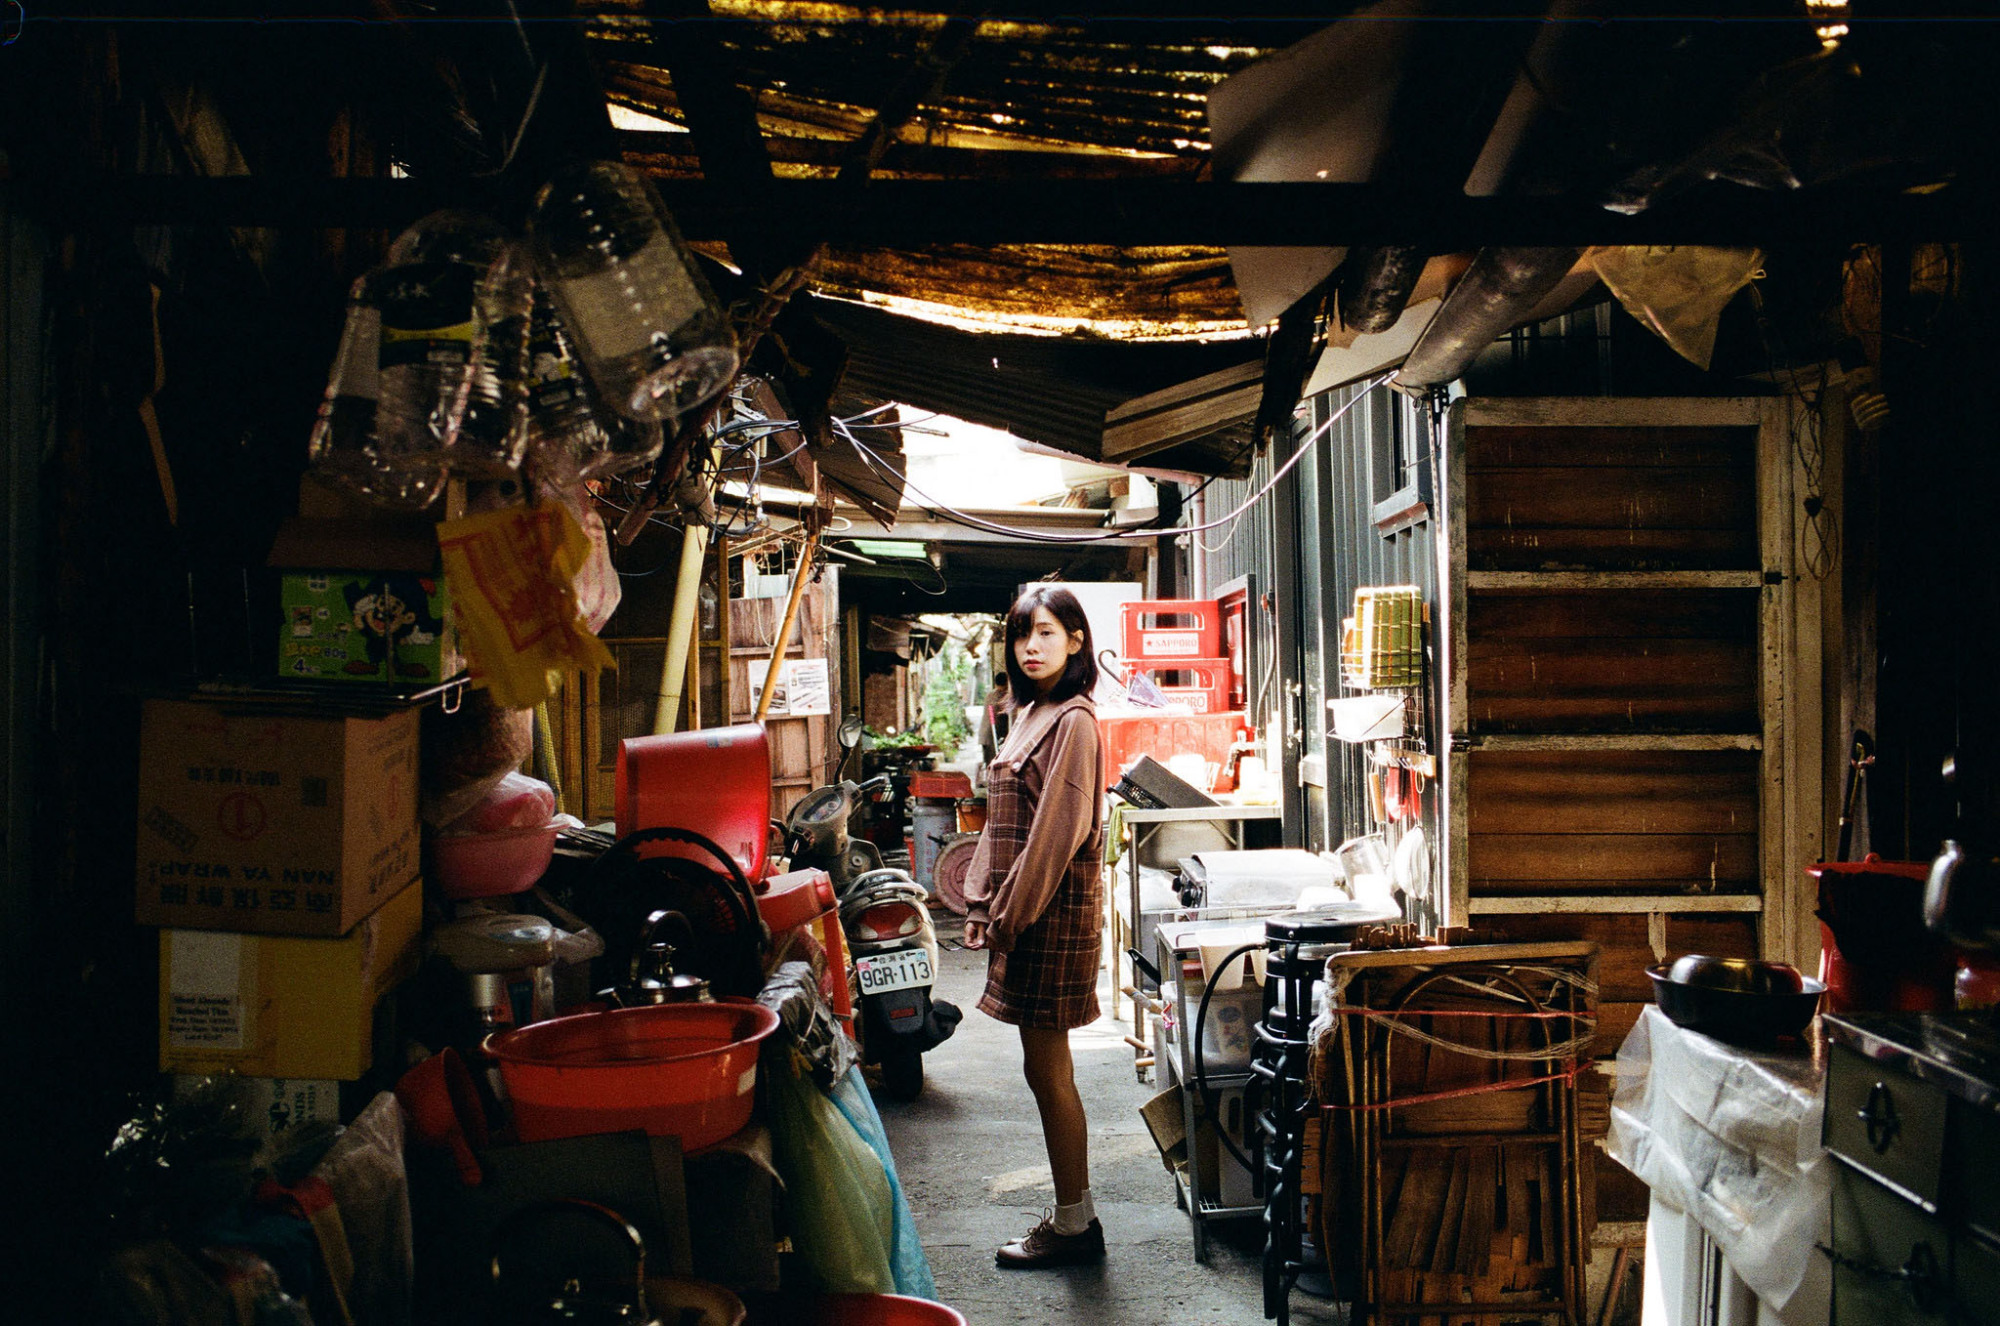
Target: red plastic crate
column 1195, row 634
column 1202, row 683
column 949, row 783
column 1126, row 737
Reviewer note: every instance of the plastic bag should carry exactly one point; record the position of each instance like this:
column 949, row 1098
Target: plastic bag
column 1678, row 291
column 841, row 1202
column 906, row 1252
column 364, row 1168
column 515, row 802
column 513, row 575
column 468, row 751
column 598, row 592
column 1732, row 1138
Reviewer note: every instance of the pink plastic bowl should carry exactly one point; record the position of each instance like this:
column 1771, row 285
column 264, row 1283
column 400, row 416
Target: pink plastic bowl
column 686, row 1070
column 490, row 865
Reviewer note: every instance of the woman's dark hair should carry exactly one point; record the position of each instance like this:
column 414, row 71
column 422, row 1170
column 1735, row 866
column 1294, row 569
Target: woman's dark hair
column 1080, row 677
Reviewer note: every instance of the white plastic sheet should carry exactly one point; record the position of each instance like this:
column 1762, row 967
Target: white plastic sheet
column 1731, row 1138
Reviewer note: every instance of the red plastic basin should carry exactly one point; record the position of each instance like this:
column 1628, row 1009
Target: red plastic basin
column 492, row 865
column 860, row 1310
column 686, row 1070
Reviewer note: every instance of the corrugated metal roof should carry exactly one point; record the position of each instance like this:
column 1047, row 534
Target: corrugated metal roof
column 1052, row 390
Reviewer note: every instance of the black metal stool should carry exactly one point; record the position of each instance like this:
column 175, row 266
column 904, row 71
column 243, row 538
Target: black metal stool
column 1297, row 945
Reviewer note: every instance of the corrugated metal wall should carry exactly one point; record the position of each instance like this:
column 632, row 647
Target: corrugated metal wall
column 1356, row 553
column 1311, row 543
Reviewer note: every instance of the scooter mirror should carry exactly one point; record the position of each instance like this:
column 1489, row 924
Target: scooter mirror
column 850, row 730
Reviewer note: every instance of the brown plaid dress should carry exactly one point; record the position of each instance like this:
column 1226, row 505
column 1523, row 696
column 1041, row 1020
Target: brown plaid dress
column 1049, row 979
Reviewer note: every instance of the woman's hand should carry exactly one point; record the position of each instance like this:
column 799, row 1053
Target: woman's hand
column 975, row 934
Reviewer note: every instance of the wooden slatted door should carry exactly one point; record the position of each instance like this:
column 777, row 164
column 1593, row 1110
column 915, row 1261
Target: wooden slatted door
column 802, row 749
column 1631, row 697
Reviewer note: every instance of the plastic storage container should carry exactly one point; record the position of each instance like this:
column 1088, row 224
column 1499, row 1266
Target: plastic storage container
column 716, row 781
column 1200, row 683
column 686, row 1070
column 492, row 864
column 1196, row 631
column 1125, row 738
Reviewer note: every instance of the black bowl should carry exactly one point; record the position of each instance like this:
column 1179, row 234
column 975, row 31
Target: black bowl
column 1741, row 1017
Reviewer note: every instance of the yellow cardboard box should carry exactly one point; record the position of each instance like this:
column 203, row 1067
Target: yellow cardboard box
column 283, row 1005
column 273, row 817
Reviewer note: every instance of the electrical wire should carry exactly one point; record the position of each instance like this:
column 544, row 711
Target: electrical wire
column 958, row 517
column 1819, row 532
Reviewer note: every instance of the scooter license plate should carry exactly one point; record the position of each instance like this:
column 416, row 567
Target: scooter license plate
column 893, row 971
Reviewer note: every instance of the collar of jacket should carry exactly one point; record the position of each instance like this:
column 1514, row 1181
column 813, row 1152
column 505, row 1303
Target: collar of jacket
column 1033, row 727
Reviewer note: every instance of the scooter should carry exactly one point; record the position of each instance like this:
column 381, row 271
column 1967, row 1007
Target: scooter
column 887, row 924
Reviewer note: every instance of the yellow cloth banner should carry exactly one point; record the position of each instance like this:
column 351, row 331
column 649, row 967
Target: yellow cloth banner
column 513, row 582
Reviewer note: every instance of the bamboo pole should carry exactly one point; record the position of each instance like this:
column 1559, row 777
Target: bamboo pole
column 680, row 631
column 784, row 640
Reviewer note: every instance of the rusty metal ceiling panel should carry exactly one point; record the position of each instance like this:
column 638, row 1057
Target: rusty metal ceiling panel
column 1051, row 390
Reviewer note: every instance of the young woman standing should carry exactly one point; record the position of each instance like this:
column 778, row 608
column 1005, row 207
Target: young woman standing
column 1035, row 896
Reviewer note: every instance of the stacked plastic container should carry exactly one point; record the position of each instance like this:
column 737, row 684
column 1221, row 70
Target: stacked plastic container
column 1178, row 643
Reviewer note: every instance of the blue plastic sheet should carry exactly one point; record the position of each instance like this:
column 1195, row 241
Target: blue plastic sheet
column 907, row 1262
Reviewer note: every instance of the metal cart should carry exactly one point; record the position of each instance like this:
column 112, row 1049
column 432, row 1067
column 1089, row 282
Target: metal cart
column 1231, row 825
column 1174, row 1044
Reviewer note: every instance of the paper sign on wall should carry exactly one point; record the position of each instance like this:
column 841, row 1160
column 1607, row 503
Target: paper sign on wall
column 804, row 690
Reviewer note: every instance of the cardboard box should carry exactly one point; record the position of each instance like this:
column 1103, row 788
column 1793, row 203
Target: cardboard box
column 283, row 1005
column 363, row 603
column 277, row 1108
column 273, row 819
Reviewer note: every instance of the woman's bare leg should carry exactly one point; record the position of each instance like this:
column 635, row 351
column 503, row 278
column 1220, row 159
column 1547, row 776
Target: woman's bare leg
column 1051, row 1075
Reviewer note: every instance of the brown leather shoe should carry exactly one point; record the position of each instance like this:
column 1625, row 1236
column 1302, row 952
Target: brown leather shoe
column 1044, row 1247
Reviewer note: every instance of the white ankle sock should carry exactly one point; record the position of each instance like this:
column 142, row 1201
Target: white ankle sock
column 1076, row 1217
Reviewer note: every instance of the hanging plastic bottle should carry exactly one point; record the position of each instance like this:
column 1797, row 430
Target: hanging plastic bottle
column 645, row 324
column 493, row 437
column 344, row 447
column 450, row 282
column 569, row 429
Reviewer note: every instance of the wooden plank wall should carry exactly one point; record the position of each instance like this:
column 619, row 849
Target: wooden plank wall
column 1642, row 660
column 1613, row 605
column 1610, row 497
column 1614, row 822
column 801, row 748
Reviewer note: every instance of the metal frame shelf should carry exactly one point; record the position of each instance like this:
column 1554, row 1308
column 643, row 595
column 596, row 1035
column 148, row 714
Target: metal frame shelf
column 1173, row 1053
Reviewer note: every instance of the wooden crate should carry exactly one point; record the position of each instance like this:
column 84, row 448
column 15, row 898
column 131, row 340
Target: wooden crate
column 1472, row 1192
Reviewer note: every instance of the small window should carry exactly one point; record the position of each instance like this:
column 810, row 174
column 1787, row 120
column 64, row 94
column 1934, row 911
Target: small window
column 1399, row 460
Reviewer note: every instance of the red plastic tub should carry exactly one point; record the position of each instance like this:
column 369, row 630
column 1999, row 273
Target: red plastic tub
column 716, row 781
column 686, row 1070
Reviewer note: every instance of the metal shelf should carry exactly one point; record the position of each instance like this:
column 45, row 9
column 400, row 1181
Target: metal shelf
column 1173, row 1053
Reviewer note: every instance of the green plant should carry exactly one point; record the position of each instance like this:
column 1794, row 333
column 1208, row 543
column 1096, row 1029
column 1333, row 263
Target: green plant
column 943, row 703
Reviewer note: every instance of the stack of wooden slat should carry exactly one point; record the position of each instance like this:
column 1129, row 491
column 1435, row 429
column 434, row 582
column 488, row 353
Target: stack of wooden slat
column 1473, row 1193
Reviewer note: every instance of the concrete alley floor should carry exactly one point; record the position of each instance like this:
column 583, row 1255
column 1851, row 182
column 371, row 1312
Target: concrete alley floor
column 969, row 1153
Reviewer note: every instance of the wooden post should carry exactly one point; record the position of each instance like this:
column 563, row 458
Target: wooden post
column 784, row 639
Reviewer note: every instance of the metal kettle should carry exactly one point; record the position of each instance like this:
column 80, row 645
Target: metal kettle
column 568, row 1300
column 652, row 978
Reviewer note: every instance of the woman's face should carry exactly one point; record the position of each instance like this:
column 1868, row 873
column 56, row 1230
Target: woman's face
column 1045, row 650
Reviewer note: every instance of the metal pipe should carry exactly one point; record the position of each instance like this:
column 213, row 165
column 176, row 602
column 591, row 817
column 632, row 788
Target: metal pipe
column 1375, row 285
column 1497, row 291
column 680, row 630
